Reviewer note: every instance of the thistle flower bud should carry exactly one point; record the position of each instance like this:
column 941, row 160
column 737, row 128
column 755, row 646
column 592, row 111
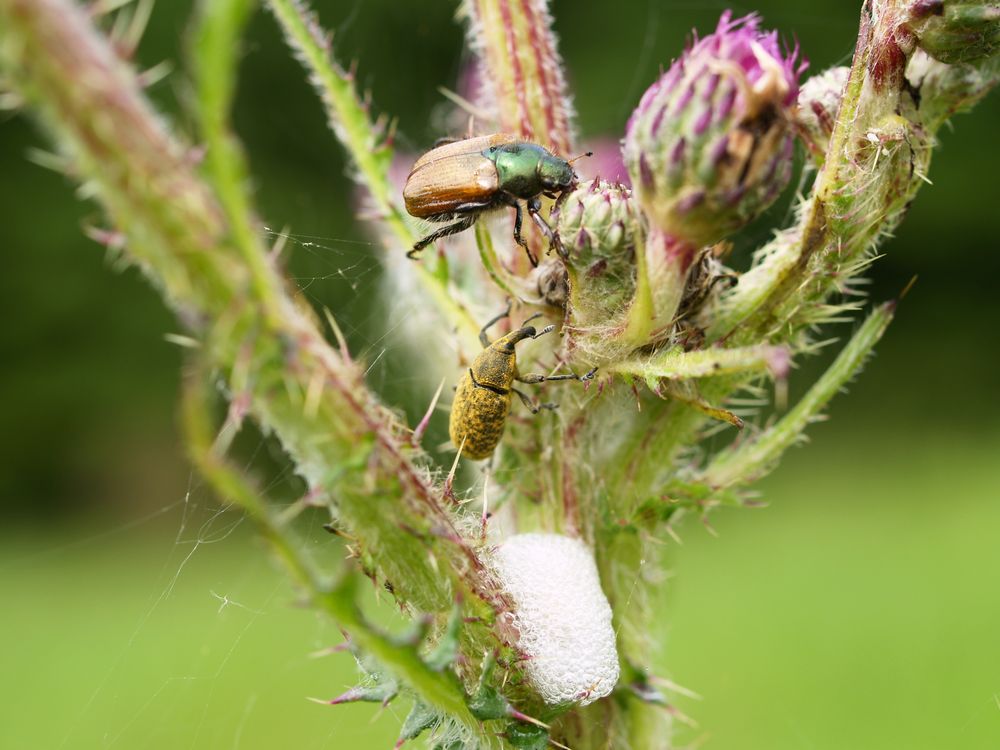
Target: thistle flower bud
column 819, row 102
column 709, row 146
column 956, row 31
column 561, row 615
column 596, row 220
column 596, row 225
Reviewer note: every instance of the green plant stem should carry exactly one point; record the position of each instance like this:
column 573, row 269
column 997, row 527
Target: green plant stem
column 515, row 42
column 439, row 689
column 369, row 148
column 215, row 52
column 639, row 321
column 229, row 483
column 348, row 113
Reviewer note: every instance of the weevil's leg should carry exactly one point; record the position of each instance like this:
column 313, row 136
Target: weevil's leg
column 483, row 338
column 532, row 407
column 535, row 378
column 458, row 226
column 531, row 318
column 513, row 202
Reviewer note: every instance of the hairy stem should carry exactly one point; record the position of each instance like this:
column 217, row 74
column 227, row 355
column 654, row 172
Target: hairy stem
column 369, row 145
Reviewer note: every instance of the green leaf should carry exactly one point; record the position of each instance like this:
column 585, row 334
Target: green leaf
column 753, row 458
column 527, row 736
column 421, row 718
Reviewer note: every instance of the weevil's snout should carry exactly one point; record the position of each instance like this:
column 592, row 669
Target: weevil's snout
column 522, row 333
column 508, row 342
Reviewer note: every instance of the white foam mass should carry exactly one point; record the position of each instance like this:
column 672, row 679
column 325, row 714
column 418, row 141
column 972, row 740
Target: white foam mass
column 562, row 615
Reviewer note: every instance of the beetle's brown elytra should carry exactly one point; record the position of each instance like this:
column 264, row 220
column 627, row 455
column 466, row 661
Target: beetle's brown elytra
column 459, row 181
column 452, row 175
column 483, row 396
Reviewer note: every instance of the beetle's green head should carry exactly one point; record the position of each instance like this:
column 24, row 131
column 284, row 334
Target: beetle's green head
column 555, row 174
column 527, row 169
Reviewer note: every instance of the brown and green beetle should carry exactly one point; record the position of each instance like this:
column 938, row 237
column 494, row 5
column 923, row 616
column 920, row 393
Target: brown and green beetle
column 482, row 398
column 459, row 181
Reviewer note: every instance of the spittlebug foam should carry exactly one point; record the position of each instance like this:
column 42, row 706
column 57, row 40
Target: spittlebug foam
column 561, row 615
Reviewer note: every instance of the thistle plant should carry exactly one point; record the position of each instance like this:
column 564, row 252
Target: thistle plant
column 530, row 578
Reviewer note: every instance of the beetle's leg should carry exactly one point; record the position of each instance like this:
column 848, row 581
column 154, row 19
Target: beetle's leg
column 517, row 235
column 483, row 338
column 513, row 202
column 535, row 378
column 534, row 206
column 532, row 407
column 458, row 226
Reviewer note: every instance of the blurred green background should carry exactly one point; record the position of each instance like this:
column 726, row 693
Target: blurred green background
column 861, row 609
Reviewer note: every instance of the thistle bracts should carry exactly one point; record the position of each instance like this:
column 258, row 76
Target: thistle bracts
column 818, row 105
column 956, row 31
column 708, row 149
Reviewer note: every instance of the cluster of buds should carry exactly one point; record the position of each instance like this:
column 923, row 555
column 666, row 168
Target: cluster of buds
column 709, row 148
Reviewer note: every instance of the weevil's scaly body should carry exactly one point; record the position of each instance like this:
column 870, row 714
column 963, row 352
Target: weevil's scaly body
column 482, row 400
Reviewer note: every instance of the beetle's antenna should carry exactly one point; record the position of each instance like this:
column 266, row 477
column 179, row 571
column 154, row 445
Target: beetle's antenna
column 577, row 158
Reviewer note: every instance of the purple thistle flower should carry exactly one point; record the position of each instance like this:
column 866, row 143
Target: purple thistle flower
column 714, row 126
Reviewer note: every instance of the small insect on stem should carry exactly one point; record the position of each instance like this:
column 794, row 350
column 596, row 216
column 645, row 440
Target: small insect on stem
column 483, row 397
column 459, row 181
